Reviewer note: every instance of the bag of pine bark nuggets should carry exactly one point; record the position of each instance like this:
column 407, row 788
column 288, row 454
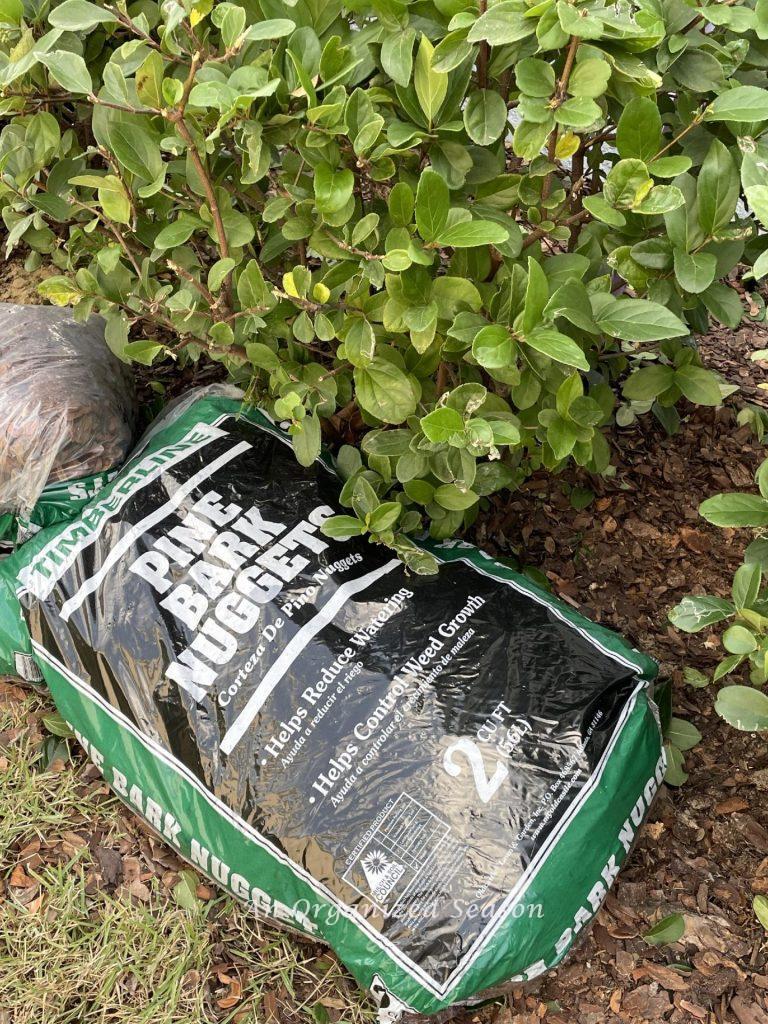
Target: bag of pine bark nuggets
column 440, row 776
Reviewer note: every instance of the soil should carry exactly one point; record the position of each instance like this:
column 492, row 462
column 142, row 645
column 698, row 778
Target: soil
column 625, row 560
column 20, row 285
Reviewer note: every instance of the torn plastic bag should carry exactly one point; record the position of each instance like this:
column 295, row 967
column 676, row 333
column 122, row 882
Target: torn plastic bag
column 440, row 776
column 66, row 418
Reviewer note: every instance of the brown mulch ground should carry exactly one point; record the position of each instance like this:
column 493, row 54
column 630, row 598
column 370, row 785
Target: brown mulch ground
column 625, row 561
column 729, row 352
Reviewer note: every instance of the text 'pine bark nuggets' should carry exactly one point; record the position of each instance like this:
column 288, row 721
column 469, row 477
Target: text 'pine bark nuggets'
column 440, row 776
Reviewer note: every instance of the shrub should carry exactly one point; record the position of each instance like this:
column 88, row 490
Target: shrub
column 456, row 225
column 744, row 619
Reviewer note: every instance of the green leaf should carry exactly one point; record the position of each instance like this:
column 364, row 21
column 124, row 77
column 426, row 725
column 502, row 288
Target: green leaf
column 668, row 930
column 135, row 145
column 638, row 133
column 504, row 432
column 579, row 112
column 746, row 584
column 648, row 382
column 56, row 725
column 590, row 77
column 469, row 233
column 69, row 70
column 423, row 563
column 760, row 907
column 384, row 391
column 535, row 77
column 385, row 516
column 669, row 166
column 661, row 199
column 144, row 352
column 441, row 424
column 59, row 290
column 273, row 28
column 360, row 342
column 735, row 510
column 397, row 55
column 742, row 103
column 185, row 891
column 492, row 347
column 218, row 273
column 760, row 266
column 743, row 707
column 11, row 11
column 675, row 774
column 694, row 678
column 432, row 204
column 306, row 440
column 694, row 271
column 601, row 210
column 626, row 184
column 718, row 189
column 698, row 385
column 79, row 16
column 639, row 320
column 262, row 356
column 557, row 346
column 485, row 116
column 333, row 188
column 251, row 287
column 177, row 233
column 724, row 304
column 419, row 491
column 579, row 21
column 387, row 442
column 503, row 23
column 757, row 200
column 452, row 51
column 431, row 86
column 683, row 734
column 536, row 296
column 455, row 499
column 739, row 640
column 341, row 527
column 695, row 613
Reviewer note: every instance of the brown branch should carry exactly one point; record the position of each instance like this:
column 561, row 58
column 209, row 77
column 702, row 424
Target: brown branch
column 694, row 124
column 540, row 232
column 442, row 379
column 558, row 98
column 198, row 285
column 176, row 117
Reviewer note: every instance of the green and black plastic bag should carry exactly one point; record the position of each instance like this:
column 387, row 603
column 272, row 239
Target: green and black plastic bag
column 440, row 776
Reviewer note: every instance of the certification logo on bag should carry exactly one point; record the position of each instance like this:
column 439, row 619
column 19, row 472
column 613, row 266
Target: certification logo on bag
column 390, row 862
column 381, row 873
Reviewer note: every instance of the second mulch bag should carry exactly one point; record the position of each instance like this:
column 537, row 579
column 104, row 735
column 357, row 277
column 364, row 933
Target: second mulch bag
column 66, row 416
column 440, row 776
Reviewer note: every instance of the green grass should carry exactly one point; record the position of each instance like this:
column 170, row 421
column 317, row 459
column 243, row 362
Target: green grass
column 75, row 952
